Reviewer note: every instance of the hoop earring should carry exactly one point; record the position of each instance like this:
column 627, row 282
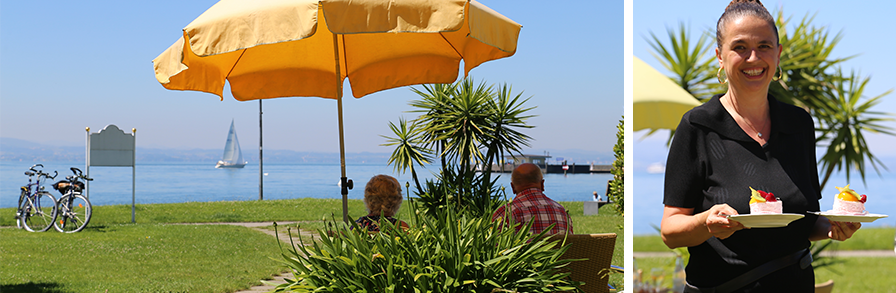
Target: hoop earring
column 719, row 76
column 780, row 74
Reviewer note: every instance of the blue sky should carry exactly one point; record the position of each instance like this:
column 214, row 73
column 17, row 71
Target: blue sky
column 67, row 65
column 865, row 29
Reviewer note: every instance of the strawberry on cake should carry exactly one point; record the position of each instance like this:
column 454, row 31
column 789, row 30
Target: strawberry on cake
column 762, row 202
column 848, row 202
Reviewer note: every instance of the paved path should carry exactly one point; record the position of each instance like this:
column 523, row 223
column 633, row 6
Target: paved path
column 281, row 228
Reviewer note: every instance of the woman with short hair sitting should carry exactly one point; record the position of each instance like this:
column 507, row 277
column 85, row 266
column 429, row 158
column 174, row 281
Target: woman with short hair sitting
column 382, row 198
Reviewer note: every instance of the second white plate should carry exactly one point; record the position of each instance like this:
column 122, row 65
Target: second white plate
column 866, row 218
column 766, row 220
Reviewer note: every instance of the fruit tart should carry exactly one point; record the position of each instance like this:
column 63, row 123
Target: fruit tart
column 762, row 202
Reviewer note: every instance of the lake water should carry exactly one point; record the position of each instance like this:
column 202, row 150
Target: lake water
column 192, row 182
column 647, row 208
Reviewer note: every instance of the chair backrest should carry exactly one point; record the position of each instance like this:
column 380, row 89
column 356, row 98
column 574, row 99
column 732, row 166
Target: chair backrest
column 825, row 287
column 598, row 250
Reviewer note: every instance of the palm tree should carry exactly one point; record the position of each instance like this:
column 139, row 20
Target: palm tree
column 693, row 68
column 434, row 100
column 806, row 63
column 407, row 152
column 843, row 120
column 508, row 114
column 466, row 123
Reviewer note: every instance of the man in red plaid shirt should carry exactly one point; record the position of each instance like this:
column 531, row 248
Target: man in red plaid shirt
column 530, row 203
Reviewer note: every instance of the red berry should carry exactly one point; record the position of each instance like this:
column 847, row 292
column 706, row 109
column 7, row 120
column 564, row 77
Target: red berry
column 770, row 197
column 863, row 199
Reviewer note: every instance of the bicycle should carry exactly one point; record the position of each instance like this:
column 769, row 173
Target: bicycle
column 73, row 209
column 36, row 210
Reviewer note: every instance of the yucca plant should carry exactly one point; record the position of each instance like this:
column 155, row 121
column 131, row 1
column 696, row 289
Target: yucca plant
column 508, row 115
column 407, row 152
column 806, row 63
column 692, row 64
column 447, row 253
column 471, row 193
column 461, row 123
column 846, row 118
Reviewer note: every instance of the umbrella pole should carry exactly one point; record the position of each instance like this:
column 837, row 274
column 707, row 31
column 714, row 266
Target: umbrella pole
column 260, row 160
column 344, row 182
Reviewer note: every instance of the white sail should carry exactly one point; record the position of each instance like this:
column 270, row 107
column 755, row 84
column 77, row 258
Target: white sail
column 233, row 156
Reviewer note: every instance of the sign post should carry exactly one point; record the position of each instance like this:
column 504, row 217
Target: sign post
column 111, row 147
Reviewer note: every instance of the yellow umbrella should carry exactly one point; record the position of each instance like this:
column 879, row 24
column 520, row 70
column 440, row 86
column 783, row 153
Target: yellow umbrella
column 658, row 102
column 286, row 48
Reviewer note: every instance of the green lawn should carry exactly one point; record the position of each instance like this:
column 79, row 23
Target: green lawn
column 864, row 239
column 137, row 258
column 854, row 274
column 850, row 274
column 153, row 256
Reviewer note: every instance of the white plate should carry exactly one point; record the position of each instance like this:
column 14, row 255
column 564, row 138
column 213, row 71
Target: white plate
column 766, row 220
column 866, row 218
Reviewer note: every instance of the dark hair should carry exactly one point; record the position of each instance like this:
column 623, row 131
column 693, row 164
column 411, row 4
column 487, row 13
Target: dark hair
column 740, row 8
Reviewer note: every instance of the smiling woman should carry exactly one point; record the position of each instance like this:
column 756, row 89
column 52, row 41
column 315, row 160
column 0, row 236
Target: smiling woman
column 740, row 139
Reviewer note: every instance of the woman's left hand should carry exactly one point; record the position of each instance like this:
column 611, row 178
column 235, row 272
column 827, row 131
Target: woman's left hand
column 843, row 230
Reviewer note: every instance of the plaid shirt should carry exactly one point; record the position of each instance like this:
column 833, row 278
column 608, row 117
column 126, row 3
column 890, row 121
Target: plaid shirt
column 532, row 204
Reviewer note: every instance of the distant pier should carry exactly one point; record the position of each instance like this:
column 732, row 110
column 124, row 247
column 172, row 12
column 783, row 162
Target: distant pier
column 553, row 169
column 540, row 161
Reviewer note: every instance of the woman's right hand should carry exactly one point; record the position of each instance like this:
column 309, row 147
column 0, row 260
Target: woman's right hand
column 718, row 224
column 682, row 228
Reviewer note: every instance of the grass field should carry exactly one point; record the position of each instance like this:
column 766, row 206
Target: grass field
column 853, row 274
column 850, row 274
column 864, row 239
column 137, row 258
column 154, row 256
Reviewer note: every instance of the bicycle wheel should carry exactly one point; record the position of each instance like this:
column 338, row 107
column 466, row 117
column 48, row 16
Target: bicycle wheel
column 39, row 212
column 20, row 209
column 74, row 213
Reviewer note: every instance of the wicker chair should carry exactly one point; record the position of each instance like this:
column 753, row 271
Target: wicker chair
column 825, row 287
column 598, row 250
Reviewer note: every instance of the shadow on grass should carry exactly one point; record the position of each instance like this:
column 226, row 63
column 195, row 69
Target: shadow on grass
column 33, row 287
column 99, row 228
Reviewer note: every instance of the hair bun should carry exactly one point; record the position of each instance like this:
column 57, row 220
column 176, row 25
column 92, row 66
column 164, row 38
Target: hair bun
column 736, row 2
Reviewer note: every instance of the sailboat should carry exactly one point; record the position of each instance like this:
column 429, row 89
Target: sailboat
column 233, row 157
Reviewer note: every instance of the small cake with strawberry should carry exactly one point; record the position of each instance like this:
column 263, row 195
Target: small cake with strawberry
column 762, row 202
column 848, row 202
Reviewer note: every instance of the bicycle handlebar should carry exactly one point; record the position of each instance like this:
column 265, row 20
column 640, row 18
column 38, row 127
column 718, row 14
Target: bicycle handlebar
column 78, row 174
column 40, row 173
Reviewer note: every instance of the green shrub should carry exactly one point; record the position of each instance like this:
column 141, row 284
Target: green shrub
column 462, row 124
column 472, row 193
column 617, row 185
column 449, row 253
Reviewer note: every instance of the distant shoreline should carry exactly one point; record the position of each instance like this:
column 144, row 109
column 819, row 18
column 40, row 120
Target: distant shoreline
column 17, row 150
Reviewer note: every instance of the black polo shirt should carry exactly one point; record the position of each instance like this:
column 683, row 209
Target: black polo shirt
column 713, row 161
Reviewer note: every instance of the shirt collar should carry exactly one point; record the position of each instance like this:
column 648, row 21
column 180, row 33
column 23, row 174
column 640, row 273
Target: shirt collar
column 527, row 192
column 713, row 115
